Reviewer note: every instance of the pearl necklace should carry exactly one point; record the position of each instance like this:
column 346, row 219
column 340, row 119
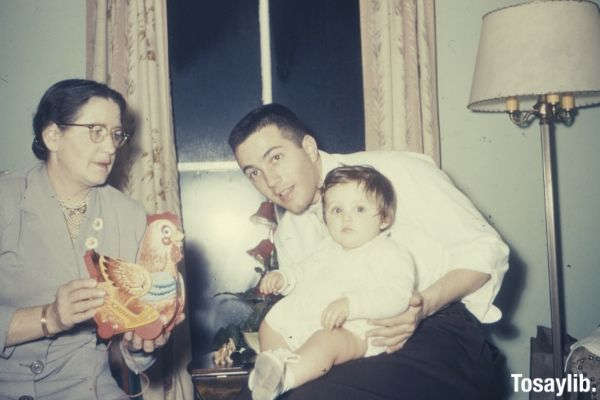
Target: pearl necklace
column 74, row 215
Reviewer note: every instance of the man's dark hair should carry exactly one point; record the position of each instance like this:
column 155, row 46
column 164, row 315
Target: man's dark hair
column 373, row 182
column 61, row 104
column 270, row 114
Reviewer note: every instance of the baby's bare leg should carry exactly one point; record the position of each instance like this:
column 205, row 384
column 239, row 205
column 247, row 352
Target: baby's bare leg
column 324, row 349
column 270, row 339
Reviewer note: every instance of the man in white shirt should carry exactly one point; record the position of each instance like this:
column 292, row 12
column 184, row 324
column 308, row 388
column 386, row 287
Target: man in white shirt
column 437, row 348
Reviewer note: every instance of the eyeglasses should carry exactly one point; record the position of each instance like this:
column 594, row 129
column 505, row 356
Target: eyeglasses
column 99, row 131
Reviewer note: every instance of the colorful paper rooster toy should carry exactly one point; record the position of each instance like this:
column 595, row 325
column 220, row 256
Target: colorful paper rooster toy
column 145, row 297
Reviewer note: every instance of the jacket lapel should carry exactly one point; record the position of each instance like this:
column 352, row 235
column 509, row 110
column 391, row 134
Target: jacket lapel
column 44, row 216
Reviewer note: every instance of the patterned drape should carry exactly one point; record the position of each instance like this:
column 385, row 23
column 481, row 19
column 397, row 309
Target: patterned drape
column 127, row 49
column 399, row 75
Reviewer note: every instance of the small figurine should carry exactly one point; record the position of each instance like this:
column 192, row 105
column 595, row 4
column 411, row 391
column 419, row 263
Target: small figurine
column 222, row 357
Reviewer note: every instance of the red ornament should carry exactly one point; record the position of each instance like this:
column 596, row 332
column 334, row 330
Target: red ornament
column 262, row 251
column 265, row 215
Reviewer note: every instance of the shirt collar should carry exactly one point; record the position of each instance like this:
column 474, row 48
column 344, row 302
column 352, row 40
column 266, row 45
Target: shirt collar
column 328, row 162
column 316, row 209
column 38, row 189
column 362, row 249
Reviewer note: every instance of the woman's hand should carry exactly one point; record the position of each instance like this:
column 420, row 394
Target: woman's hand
column 272, row 282
column 134, row 342
column 76, row 301
column 335, row 314
column 395, row 331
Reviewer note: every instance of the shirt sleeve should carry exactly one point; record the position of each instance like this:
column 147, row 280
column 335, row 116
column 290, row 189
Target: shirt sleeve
column 286, row 259
column 6, row 315
column 286, row 235
column 448, row 217
column 299, row 245
column 291, row 276
column 136, row 361
column 6, row 242
column 388, row 286
column 289, row 281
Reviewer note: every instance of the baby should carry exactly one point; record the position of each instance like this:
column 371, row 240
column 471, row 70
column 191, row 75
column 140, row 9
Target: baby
column 358, row 274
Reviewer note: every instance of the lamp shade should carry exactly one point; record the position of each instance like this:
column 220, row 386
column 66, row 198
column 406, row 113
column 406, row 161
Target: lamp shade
column 536, row 48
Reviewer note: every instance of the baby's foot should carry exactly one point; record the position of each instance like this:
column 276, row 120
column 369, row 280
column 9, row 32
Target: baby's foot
column 267, row 379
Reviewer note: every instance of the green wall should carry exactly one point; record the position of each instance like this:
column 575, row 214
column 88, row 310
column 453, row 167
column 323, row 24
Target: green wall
column 499, row 166
column 41, row 42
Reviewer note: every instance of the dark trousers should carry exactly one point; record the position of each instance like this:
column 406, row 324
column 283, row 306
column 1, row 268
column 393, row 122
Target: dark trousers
column 448, row 357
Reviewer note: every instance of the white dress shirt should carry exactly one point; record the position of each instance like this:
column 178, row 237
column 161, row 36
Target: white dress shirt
column 436, row 222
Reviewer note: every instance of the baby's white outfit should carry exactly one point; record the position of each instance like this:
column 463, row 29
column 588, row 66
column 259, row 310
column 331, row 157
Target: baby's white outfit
column 377, row 278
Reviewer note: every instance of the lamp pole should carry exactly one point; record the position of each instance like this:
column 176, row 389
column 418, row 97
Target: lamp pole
column 549, row 110
column 555, row 315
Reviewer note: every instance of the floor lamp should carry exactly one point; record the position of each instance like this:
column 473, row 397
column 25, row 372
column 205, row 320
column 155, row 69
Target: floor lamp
column 540, row 60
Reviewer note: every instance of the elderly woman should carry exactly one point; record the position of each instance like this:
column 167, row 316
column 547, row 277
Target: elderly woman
column 50, row 216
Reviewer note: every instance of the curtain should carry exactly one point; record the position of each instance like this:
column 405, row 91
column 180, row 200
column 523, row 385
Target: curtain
column 399, row 75
column 127, row 49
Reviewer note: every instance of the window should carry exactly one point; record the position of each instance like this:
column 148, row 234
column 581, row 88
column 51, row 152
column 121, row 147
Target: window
column 215, row 57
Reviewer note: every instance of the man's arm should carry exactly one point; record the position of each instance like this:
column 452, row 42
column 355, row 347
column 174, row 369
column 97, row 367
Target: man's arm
column 459, row 255
column 454, row 285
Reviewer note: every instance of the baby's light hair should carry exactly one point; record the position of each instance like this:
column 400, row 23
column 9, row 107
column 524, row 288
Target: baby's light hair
column 371, row 181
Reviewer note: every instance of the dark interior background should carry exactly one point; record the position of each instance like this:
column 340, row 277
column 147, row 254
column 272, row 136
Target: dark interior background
column 215, row 76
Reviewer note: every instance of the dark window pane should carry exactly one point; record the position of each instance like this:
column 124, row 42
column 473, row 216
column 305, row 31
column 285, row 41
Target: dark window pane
column 317, row 68
column 214, row 49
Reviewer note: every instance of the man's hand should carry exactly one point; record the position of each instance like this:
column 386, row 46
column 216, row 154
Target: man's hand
column 134, row 342
column 272, row 282
column 335, row 314
column 395, row 331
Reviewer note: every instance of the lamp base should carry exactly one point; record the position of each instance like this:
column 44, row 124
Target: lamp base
column 542, row 359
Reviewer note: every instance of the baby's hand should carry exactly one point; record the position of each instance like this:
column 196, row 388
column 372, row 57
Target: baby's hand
column 335, row 314
column 272, row 282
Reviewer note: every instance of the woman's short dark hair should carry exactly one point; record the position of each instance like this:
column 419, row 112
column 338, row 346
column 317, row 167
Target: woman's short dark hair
column 289, row 124
column 61, row 104
column 373, row 182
